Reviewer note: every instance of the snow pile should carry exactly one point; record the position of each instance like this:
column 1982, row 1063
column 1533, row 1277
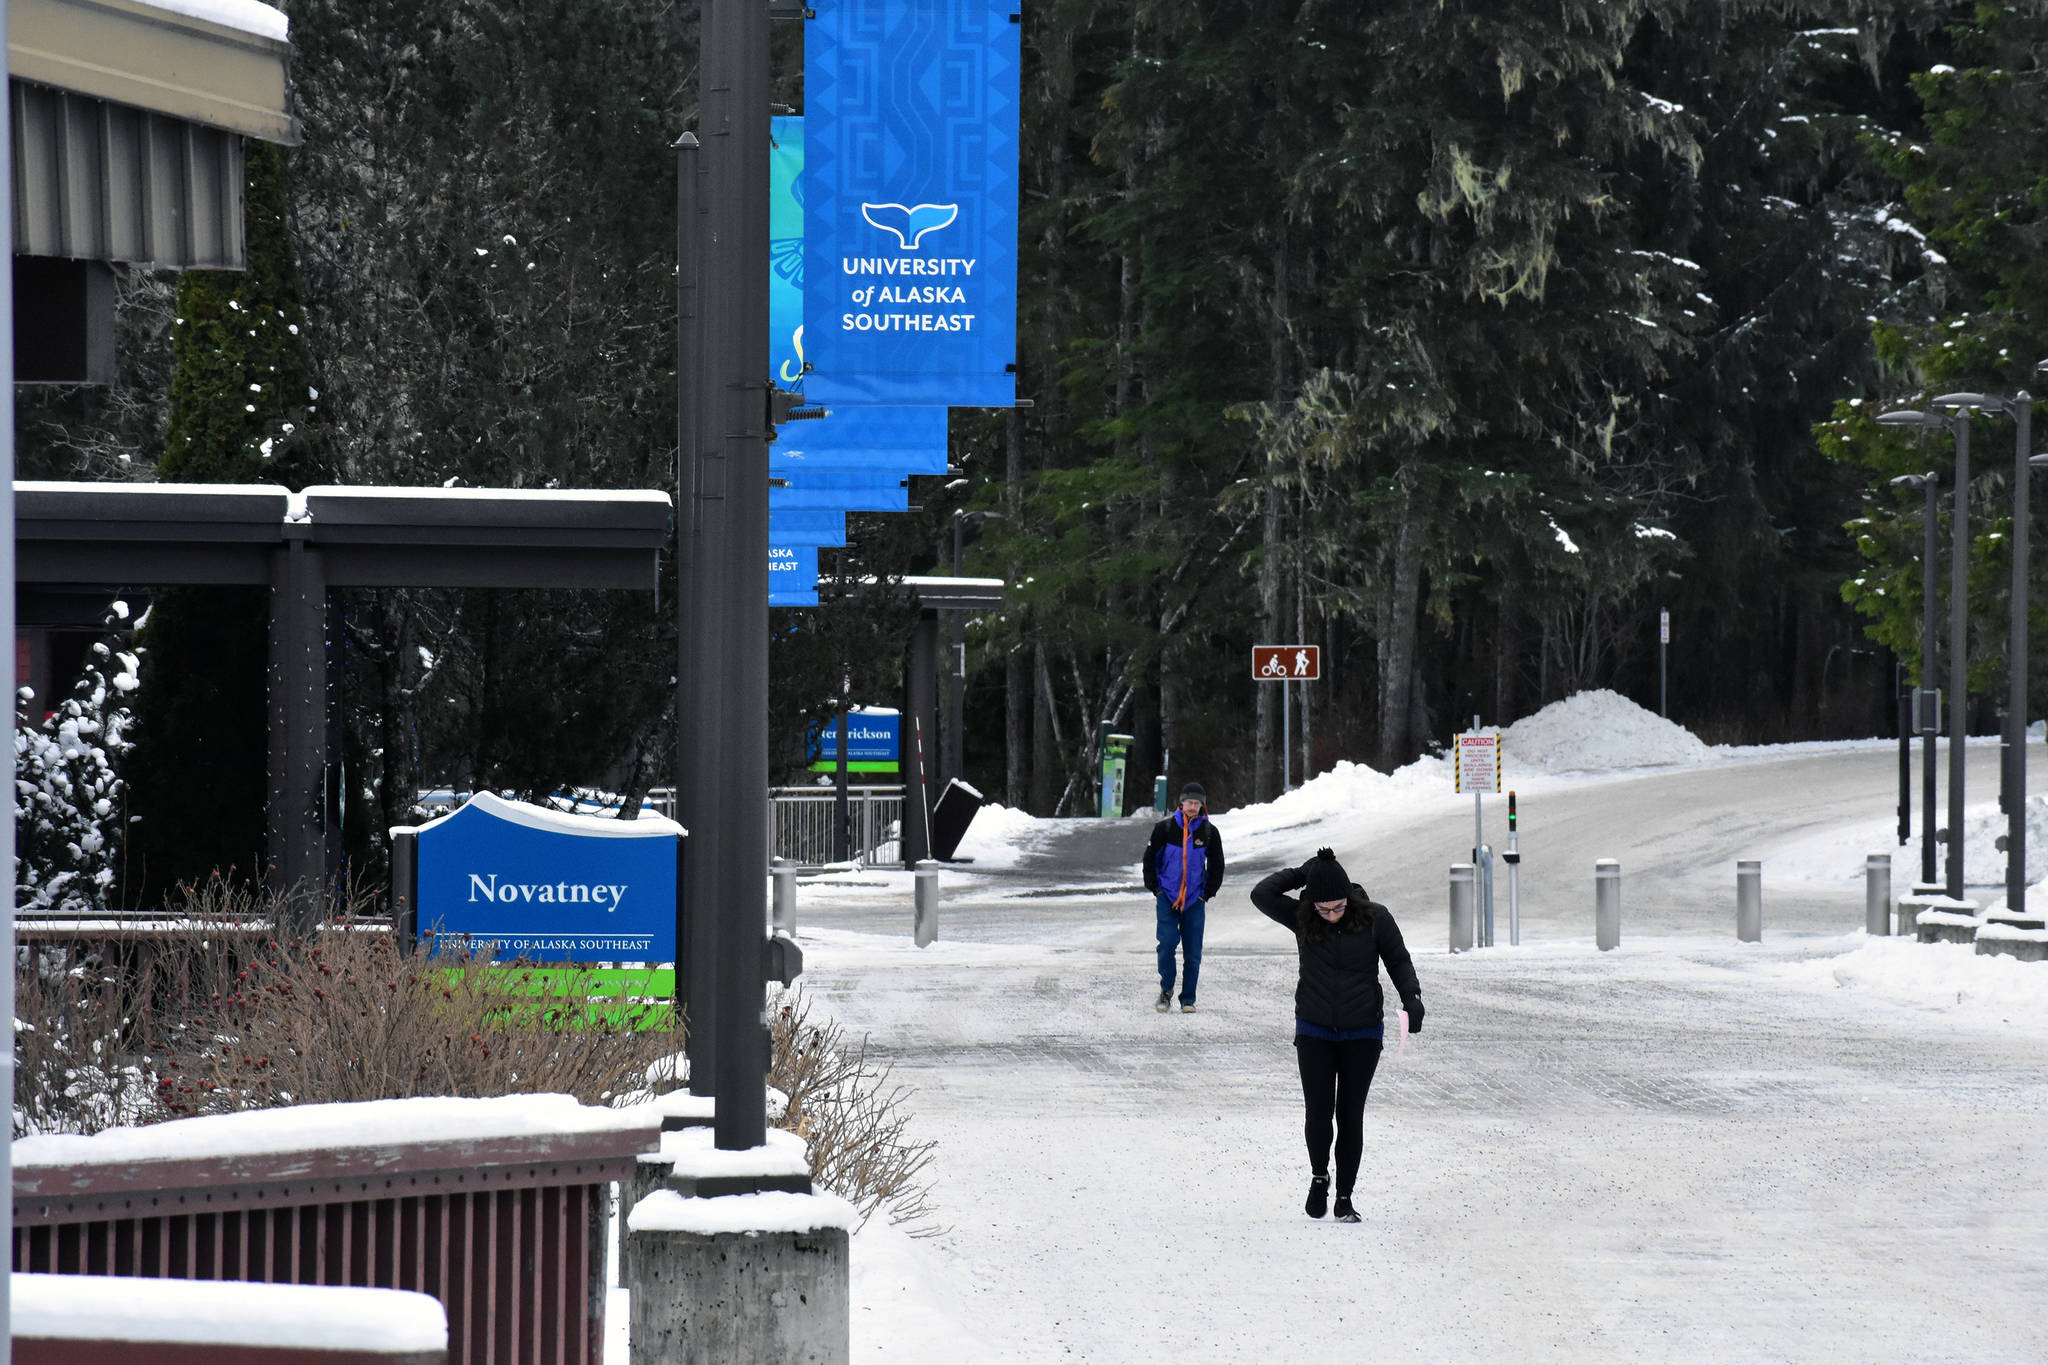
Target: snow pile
column 1597, row 730
column 1984, row 860
column 1948, row 979
column 1346, row 789
column 1000, row 836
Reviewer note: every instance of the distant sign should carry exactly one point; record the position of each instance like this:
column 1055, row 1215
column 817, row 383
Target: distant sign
column 550, row 886
column 872, row 742
column 1664, row 627
column 1287, row 663
column 1476, row 764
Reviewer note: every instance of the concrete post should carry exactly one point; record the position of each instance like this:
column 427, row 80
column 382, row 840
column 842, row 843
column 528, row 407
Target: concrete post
column 1464, row 906
column 1607, row 904
column 1749, row 901
column 785, row 899
column 704, row 1294
column 926, row 925
column 1877, row 894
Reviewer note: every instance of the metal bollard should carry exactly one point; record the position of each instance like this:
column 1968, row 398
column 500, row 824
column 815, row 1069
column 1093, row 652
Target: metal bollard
column 1877, row 894
column 1607, row 903
column 1464, row 891
column 1749, row 901
column 785, row 899
column 927, row 900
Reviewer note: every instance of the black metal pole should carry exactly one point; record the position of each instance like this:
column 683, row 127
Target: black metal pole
column 734, row 100
column 1928, row 585
column 2016, row 665
column 952, row 764
column 700, row 563
column 1905, row 755
column 842, row 815
column 1958, row 656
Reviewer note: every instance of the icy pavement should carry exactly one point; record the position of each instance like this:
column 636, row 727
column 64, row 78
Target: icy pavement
column 1687, row 1149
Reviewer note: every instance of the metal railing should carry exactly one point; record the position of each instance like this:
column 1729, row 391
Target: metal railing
column 800, row 824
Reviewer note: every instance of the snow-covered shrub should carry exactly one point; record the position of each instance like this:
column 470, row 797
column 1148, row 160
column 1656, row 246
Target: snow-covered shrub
column 68, row 805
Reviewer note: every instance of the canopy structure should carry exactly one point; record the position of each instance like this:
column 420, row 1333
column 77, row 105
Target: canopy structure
column 128, row 119
column 77, row 536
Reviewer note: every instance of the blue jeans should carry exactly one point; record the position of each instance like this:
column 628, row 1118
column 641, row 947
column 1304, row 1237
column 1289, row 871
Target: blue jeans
column 1178, row 927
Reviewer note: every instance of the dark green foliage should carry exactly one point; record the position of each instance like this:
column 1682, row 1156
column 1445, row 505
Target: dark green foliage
column 1976, row 192
column 242, row 409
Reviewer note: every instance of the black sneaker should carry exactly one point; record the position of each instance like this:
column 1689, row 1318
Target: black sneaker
column 1345, row 1213
column 1187, row 1007
column 1165, row 1001
column 1318, row 1202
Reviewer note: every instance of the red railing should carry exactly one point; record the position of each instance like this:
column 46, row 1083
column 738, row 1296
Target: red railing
column 507, row 1232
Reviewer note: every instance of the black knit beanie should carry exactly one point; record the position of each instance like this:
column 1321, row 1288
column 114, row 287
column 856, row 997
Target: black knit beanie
column 1193, row 792
column 1327, row 879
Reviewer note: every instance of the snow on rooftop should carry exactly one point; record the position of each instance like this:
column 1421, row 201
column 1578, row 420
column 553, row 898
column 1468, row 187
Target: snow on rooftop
column 309, row 1127
column 225, row 1313
column 245, row 16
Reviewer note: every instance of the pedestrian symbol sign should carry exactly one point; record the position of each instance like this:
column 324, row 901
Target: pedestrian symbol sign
column 1287, row 663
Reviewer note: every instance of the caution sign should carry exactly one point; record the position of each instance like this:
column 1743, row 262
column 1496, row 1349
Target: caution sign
column 1476, row 762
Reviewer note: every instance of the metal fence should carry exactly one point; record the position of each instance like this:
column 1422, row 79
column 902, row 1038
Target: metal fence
column 508, row 1233
column 800, row 824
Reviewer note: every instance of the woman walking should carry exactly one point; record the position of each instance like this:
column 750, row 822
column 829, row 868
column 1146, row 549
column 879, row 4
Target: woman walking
column 1342, row 937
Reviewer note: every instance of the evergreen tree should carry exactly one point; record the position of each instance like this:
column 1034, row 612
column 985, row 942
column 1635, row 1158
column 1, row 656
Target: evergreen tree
column 1975, row 204
column 242, row 410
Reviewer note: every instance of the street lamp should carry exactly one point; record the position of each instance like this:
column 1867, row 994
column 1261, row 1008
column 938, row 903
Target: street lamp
column 952, row 752
column 2012, row 755
column 1958, row 650
column 1926, row 703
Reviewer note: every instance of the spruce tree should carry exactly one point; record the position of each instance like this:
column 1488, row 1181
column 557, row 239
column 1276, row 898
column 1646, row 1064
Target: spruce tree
column 242, row 410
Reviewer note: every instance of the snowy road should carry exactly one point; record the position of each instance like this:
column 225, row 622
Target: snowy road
column 1683, row 1150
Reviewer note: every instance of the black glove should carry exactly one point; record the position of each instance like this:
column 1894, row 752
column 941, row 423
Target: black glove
column 1414, row 1008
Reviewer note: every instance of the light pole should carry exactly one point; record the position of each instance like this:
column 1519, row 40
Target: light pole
column 1958, row 603
column 2012, row 753
column 952, row 752
column 1926, row 716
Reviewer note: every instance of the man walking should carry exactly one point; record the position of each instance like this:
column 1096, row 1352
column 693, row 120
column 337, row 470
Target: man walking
column 1183, row 869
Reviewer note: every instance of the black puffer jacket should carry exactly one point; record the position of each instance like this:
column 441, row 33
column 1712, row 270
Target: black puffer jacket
column 1339, row 986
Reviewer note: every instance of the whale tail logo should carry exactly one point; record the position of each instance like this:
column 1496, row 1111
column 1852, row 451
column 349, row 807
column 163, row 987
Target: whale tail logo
column 910, row 224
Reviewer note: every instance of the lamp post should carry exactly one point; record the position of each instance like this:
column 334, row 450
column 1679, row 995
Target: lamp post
column 2012, row 752
column 1926, row 718
column 952, row 760
column 1958, row 647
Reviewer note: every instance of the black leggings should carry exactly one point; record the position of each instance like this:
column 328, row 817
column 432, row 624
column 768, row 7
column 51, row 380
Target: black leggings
column 1334, row 1080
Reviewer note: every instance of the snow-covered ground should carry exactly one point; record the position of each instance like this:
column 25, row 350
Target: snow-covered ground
column 1817, row 1148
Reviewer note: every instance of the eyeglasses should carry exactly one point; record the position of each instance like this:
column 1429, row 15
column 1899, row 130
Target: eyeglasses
column 1331, row 907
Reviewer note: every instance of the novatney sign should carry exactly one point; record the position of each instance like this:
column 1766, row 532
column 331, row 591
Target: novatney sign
column 543, row 884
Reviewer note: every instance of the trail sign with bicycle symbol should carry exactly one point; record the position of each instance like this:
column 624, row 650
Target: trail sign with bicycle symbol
column 1287, row 663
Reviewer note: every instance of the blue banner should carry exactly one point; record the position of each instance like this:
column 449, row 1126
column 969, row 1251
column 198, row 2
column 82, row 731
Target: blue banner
column 786, row 252
column 841, row 491
column 806, row 597
column 790, row 526
column 907, row 440
column 792, row 568
column 910, row 201
column 550, row 886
